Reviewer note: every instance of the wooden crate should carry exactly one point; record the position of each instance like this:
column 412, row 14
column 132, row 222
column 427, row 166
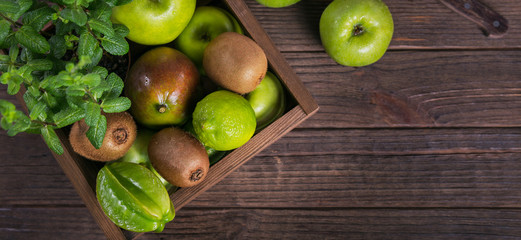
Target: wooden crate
column 82, row 172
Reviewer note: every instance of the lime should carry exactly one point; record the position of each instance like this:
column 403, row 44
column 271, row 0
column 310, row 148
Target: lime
column 224, row 120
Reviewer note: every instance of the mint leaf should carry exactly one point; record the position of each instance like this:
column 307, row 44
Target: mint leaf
column 52, row 140
column 121, row 30
column 64, row 28
column 96, row 133
column 50, row 99
column 92, row 113
column 5, row 59
column 13, row 86
column 13, row 53
column 103, row 72
column 68, row 116
column 116, row 85
column 27, row 55
column 91, row 79
column 75, row 90
column 21, row 124
column 58, row 46
column 76, row 101
column 98, row 91
column 102, row 27
column 115, row 45
column 8, row 6
column 24, row 5
column 29, row 99
column 115, row 105
column 84, row 3
column 86, row 44
column 38, row 110
column 95, row 57
column 75, row 15
column 101, row 10
column 40, row 64
column 32, row 40
column 38, row 18
column 6, row 107
column 5, row 29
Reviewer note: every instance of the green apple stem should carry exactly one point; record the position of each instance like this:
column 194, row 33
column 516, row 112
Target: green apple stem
column 358, row 30
column 206, row 37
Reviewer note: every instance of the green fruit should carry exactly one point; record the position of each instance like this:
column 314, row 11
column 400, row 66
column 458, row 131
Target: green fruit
column 162, row 85
column 277, row 3
column 213, row 154
column 138, row 153
column 133, row 198
column 356, row 32
column 207, row 23
column 224, row 120
column 267, row 100
column 154, row 22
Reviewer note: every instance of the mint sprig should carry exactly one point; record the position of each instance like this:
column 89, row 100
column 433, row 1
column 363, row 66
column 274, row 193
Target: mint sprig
column 58, row 66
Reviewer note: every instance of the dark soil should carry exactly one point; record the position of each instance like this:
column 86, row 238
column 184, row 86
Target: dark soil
column 116, row 64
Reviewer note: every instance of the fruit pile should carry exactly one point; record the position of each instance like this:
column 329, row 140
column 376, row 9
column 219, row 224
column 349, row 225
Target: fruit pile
column 200, row 89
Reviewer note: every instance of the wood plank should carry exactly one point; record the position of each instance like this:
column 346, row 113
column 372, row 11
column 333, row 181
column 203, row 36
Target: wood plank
column 344, row 224
column 454, row 180
column 398, row 142
column 421, row 24
column 29, row 174
column 267, row 223
column 329, row 168
column 411, row 88
column 48, row 223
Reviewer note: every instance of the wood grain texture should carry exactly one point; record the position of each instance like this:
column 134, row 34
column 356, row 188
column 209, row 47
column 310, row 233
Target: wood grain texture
column 415, row 88
column 269, row 223
column 419, row 24
column 341, row 168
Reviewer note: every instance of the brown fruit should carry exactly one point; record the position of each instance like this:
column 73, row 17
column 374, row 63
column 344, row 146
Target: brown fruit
column 119, row 137
column 178, row 157
column 235, row 62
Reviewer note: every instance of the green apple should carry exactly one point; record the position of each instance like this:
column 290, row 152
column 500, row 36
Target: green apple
column 154, row 22
column 207, row 23
column 161, row 86
column 138, row 153
column 267, row 100
column 356, row 32
column 277, row 3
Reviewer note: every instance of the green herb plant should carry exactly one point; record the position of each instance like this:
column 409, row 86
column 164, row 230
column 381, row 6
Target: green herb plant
column 52, row 51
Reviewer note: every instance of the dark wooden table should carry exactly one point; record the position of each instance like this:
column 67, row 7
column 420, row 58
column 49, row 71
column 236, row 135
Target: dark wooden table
column 424, row 144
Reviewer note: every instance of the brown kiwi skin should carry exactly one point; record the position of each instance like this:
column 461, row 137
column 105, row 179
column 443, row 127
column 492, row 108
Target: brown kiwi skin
column 119, row 137
column 178, row 157
column 235, row 62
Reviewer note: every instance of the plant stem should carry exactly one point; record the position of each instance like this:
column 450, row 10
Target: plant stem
column 13, row 23
column 43, row 123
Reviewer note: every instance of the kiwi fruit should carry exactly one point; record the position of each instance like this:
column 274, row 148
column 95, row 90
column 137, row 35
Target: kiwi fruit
column 235, row 62
column 178, row 157
column 119, row 137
